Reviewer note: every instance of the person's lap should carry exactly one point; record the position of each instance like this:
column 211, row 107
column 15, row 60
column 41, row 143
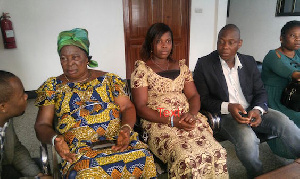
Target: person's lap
column 246, row 142
column 291, row 114
column 187, row 151
column 288, row 140
column 277, row 145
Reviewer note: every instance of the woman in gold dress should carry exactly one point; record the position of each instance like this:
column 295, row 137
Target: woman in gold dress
column 166, row 98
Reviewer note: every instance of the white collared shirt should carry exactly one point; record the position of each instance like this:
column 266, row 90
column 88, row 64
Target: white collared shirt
column 234, row 88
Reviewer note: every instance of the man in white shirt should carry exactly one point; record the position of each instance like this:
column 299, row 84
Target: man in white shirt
column 229, row 84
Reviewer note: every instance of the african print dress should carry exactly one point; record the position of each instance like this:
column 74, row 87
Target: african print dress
column 193, row 154
column 87, row 113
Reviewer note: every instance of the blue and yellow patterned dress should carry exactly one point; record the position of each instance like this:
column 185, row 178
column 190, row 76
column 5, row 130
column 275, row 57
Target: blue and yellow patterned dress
column 86, row 113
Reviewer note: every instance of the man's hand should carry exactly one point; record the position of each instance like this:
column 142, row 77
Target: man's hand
column 255, row 115
column 123, row 140
column 235, row 110
column 63, row 149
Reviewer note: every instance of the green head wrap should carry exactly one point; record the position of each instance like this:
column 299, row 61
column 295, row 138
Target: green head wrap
column 77, row 37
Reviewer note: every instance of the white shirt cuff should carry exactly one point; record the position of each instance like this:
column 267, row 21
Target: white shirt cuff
column 259, row 108
column 224, row 108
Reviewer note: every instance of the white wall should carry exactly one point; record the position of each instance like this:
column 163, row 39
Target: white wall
column 260, row 29
column 37, row 23
column 205, row 27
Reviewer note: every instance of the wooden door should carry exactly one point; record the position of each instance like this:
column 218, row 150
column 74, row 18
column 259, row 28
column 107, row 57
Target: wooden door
column 139, row 15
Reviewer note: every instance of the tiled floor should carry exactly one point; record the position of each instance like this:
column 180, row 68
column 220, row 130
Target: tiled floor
column 24, row 126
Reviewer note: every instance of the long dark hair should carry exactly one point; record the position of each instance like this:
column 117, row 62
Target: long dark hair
column 155, row 31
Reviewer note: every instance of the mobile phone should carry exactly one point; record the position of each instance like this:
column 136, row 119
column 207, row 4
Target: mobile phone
column 243, row 115
column 103, row 144
column 246, row 115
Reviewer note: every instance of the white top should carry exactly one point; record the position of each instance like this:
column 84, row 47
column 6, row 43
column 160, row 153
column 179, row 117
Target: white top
column 234, row 88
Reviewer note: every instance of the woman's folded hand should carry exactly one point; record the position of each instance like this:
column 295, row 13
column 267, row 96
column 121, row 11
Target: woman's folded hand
column 185, row 122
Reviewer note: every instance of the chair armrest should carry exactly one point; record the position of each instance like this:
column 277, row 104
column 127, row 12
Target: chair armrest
column 44, row 159
column 56, row 160
column 213, row 120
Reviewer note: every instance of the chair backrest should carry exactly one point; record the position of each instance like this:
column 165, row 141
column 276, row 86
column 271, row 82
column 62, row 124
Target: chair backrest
column 128, row 89
column 259, row 66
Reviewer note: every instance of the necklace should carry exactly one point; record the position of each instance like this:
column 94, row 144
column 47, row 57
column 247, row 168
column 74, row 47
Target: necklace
column 160, row 66
column 84, row 80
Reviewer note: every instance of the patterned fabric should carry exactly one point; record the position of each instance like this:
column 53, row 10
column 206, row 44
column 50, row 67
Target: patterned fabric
column 194, row 154
column 2, row 137
column 87, row 113
column 77, row 37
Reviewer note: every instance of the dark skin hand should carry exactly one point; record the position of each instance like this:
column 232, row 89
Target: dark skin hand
column 128, row 114
column 234, row 110
column 254, row 114
column 123, row 140
column 186, row 122
column 63, row 149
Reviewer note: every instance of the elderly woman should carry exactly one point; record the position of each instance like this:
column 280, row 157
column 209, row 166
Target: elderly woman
column 280, row 66
column 91, row 107
column 166, row 98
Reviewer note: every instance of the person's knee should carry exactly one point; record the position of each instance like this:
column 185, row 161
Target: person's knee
column 246, row 142
column 279, row 121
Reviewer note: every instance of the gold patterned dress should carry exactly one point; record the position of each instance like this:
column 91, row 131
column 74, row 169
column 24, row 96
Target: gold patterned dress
column 87, row 113
column 193, row 154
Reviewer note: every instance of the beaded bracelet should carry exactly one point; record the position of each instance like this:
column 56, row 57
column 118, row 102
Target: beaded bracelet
column 126, row 125
column 172, row 121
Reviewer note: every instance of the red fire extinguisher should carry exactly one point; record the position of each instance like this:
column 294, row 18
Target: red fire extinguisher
column 7, row 32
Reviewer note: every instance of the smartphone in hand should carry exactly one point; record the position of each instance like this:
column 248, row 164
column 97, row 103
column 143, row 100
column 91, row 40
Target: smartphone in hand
column 246, row 115
column 243, row 115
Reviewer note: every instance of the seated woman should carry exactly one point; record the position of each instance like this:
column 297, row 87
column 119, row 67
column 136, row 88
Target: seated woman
column 166, row 98
column 278, row 69
column 90, row 106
